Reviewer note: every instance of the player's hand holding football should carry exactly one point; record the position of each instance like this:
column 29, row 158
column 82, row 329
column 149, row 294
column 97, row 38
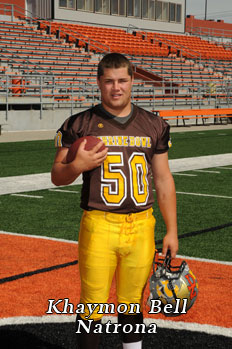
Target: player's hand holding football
column 86, row 160
column 65, row 172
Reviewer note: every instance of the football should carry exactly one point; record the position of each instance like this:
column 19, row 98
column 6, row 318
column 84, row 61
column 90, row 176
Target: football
column 91, row 142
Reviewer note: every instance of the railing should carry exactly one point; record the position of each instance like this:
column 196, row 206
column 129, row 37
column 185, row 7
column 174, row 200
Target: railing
column 209, row 32
column 16, row 11
column 14, row 59
column 131, row 27
column 43, row 91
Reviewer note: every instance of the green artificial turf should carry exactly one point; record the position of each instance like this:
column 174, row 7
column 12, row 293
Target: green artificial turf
column 197, row 213
column 56, row 214
column 21, row 158
column 200, row 143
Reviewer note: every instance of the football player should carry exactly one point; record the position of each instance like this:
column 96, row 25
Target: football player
column 117, row 227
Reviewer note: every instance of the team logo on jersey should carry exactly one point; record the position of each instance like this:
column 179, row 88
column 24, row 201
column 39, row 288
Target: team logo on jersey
column 100, row 125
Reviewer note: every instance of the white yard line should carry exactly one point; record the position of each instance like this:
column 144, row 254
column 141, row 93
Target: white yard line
column 64, row 191
column 185, row 174
column 28, row 196
column 209, row 195
column 225, row 168
column 207, row 171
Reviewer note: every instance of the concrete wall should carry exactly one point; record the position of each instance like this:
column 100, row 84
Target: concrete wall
column 214, row 28
column 40, row 8
column 119, row 21
column 25, row 120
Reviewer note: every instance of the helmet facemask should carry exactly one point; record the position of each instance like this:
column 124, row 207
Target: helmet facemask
column 173, row 288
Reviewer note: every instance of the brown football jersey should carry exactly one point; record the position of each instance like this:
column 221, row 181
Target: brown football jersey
column 123, row 183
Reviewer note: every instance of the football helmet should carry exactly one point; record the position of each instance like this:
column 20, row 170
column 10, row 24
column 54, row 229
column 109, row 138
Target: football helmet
column 175, row 285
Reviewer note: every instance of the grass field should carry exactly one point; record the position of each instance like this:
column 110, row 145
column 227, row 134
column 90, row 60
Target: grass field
column 56, row 212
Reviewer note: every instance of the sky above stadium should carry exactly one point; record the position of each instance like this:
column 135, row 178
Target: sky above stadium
column 216, row 9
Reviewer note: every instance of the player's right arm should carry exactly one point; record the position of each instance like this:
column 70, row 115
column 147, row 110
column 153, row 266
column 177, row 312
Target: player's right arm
column 64, row 173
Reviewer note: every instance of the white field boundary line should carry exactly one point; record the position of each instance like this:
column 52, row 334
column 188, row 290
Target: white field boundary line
column 39, row 237
column 201, row 162
column 169, row 324
column 190, row 326
column 76, row 243
column 19, row 184
column 28, row 183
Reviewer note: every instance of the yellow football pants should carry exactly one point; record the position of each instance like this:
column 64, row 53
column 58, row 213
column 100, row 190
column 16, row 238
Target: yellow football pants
column 112, row 243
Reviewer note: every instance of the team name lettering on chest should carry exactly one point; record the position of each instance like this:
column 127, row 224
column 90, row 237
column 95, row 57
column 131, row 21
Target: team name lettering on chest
column 126, row 141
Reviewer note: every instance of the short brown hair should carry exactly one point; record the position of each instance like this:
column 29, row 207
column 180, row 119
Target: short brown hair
column 114, row 60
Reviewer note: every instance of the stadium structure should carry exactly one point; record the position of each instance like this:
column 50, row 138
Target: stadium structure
column 50, row 51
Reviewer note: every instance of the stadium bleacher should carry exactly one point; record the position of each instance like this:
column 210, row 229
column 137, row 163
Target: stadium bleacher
column 56, row 62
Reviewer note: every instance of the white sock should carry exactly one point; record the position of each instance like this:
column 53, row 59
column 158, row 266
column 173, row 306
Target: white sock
column 134, row 345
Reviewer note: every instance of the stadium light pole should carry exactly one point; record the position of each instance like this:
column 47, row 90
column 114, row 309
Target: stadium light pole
column 205, row 10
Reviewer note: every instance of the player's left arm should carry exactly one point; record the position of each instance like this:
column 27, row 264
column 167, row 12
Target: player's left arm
column 166, row 197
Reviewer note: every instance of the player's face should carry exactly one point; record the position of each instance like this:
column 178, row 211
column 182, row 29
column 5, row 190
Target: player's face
column 115, row 86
